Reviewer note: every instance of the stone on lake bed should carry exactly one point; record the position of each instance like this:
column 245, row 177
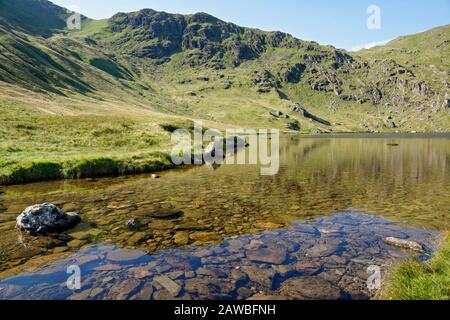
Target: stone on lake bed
column 108, row 267
column 123, row 289
column 124, row 256
column 137, row 238
column 272, row 254
column 168, row 284
column 145, row 293
column 261, row 297
column 310, row 288
column 205, row 236
column 263, row 277
column 269, row 225
column 76, row 243
column 85, row 235
column 60, row 249
column 163, row 213
column 324, row 249
column 161, row 225
column 306, row 228
column 192, row 226
column 244, row 292
column 140, row 272
column 181, row 238
column 307, row 267
column 46, row 218
column 175, row 275
column 405, row 244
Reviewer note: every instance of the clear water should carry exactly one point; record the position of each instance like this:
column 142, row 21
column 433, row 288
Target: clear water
column 402, row 179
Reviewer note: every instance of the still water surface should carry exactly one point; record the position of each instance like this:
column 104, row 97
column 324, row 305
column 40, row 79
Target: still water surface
column 402, row 179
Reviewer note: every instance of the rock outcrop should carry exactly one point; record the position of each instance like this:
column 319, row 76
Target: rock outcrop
column 295, row 126
column 46, row 218
column 301, row 110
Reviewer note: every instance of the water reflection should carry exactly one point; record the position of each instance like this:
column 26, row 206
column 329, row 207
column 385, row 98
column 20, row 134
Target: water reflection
column 401, row 179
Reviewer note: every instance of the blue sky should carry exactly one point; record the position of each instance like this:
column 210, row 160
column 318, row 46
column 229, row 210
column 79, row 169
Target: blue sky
column 341, row 23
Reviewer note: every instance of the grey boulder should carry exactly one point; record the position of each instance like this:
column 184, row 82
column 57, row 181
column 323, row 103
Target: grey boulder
column 46, row 218
column 405, row 244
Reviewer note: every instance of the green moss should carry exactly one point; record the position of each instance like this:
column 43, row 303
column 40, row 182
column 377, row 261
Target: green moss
column 416, row 280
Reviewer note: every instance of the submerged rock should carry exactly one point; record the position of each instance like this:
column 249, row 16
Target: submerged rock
column 46, row 218
column 272, row 254
column 405, row 244
column 310, row 288
column 181, row 238
column 168, row 284
column 132, row 223
column 164, row 213
column 124, row 256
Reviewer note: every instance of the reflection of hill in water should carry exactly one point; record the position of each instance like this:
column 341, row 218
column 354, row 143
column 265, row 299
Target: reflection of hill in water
column 409, row 183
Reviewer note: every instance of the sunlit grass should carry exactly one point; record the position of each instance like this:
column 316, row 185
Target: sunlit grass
column 36, row 146
column 416, row 280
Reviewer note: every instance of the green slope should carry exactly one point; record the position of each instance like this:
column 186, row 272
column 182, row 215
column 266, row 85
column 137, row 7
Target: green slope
column 180, row 64
column 37, row 18
column 153, row 65
column 426, row 54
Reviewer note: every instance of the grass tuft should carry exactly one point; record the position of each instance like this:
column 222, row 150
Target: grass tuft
column 416, row 280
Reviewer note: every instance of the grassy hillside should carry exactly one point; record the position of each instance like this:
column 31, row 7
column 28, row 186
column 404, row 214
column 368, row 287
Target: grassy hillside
column 112, row 83
column 425, row 53
column 37, row 146
column 38, row 17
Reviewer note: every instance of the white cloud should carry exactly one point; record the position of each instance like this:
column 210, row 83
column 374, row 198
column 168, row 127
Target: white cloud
column 370, row 45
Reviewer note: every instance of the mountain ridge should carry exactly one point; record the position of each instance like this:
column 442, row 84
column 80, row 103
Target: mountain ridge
column 134, row 58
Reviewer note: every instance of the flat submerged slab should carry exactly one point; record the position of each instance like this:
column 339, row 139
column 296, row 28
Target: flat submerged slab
column 328, row 258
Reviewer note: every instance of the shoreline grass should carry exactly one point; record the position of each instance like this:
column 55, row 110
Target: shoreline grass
column 38, row 171
column 416, row 280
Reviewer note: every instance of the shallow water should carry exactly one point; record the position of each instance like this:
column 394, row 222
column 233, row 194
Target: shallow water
column 400, row 178
column 328, row 258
